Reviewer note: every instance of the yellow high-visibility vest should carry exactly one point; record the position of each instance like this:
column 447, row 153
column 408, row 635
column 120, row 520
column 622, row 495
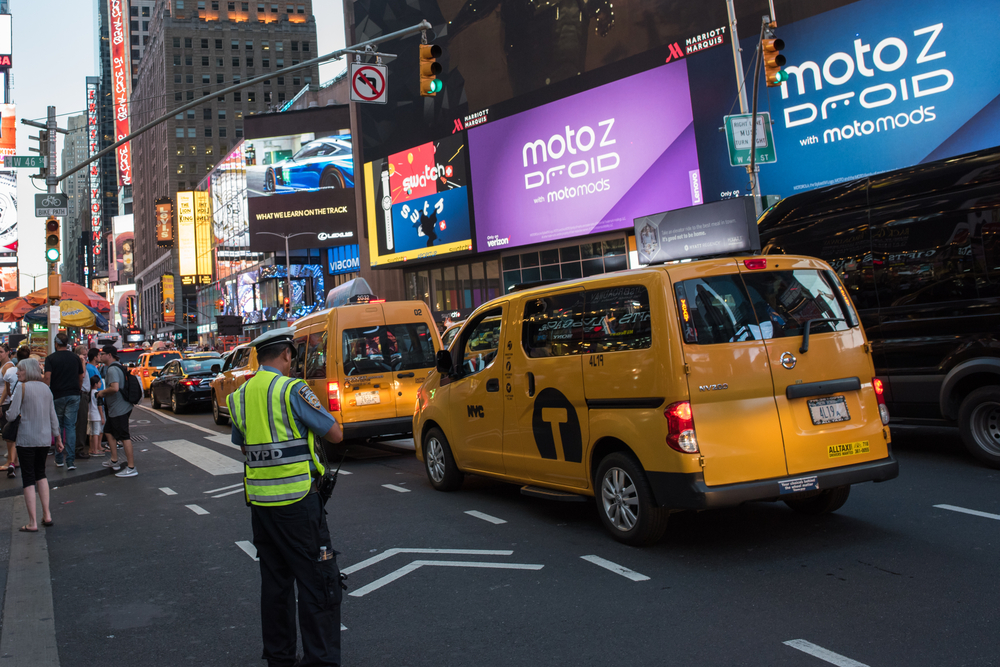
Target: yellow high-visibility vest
column 277, row 453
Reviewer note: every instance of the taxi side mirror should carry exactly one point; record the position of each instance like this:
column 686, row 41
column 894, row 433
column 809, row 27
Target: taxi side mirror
column 154, row 374
column 444, row 363
column 216, row 368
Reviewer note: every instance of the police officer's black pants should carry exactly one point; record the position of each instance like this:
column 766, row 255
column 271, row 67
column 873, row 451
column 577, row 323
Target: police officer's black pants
column 288, row 540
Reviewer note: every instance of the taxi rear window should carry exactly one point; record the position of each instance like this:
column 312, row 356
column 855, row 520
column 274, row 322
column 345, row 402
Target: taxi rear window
column 612, row 319
column 396, row 347
column 160, row 359
column 759, row 306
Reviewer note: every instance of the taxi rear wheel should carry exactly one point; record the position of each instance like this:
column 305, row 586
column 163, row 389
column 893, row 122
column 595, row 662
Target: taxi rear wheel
column 979, row 423
column 625, row 501
column 442, row 472
column 824, row 502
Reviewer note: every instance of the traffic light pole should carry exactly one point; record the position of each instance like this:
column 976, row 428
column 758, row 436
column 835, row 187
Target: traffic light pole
column 744, row 106
column 52, row 181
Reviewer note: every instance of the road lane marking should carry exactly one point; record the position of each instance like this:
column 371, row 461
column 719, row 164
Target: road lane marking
column 417, row 564
column 207, row 459
column 985, row 515
column 823, row 654
column 616, row 568
column 343, row 627
column 225, row 488
column 485, row 517
column 167, row 490
column 229, row 493
column 249, row 548
column 343, row 472
column 395, row 488
column 179, row 421
column 389, row 553
column 223, row 439
column 197, row 510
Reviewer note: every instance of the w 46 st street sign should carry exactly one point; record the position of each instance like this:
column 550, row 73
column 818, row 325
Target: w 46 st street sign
column 24, row 161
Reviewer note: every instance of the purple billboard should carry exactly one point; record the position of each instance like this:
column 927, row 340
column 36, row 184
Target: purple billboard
column 585, row 164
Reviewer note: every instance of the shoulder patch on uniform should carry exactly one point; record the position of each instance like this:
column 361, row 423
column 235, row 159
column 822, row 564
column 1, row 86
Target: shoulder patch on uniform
column 309, row 397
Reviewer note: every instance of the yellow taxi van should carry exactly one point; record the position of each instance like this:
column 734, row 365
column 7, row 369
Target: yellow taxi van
column 365, row 362
column 235, row 367
column 683, row 386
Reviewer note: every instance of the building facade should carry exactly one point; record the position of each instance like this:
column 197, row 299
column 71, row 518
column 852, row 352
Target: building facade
column 77, row 189
column 192, row 49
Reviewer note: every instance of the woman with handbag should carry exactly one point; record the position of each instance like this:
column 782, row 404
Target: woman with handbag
column 8, row 376
column 34, row 413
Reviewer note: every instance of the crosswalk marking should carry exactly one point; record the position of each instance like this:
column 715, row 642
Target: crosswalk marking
column 225, row 488
column 249, row 548
column 485, row 517
column 229, row 493
column 197, row 510
column 616, row 568
column 223, row 439
column 395, row 488
column 207, row 459
column 167, row 490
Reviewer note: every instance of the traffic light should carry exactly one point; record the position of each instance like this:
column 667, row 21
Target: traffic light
column 774, row 61
column 52, row 241
column 43, row 150
column 430, row 86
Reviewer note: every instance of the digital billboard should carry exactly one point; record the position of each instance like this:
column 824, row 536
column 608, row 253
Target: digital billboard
column 300, row 179
column 167, row 291
column 164, row 207
column 8, row 211
column 124, row 249
column 8, row 282
column 94, row 170
column 8, row 129
column 875, row 86
column 588, row 163
column 186, row 246
column 417, row 202
column 203, row 237
column 121, row 76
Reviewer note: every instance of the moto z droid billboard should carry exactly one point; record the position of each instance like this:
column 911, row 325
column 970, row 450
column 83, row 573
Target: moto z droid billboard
column 588, row 163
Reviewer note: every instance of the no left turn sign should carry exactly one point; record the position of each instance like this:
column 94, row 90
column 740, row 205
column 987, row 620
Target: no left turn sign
column 368, row 83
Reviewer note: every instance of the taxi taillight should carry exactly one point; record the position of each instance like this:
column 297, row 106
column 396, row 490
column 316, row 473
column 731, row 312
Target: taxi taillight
column 680, row 428
column 333, row 393
column 883, row 409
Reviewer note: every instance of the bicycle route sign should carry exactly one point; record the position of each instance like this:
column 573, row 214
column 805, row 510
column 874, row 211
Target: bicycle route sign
column 47, row 204
column 369, row 83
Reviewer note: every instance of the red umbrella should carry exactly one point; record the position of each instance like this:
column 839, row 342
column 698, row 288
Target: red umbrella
column 77, row 293
column 15, row 309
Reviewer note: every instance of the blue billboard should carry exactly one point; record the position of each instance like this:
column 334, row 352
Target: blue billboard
column 343, row 259
column 873, row 86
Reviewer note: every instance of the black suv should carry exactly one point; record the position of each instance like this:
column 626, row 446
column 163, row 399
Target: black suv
column 919, row 251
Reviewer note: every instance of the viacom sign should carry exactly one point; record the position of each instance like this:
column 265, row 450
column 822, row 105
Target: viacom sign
column 880, row 85
column 588, row 163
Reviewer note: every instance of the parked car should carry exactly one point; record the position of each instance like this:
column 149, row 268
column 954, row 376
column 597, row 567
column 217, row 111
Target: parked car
column 918, row 249
column 324, row 163
column 149, row 365
column 183, row 383
column 238, row 367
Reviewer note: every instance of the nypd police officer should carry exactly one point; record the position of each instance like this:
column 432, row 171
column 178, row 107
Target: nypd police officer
column 276, row 422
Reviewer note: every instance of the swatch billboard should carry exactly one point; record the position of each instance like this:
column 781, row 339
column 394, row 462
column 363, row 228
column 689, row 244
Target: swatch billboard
column 588, row 163
column 874, row 86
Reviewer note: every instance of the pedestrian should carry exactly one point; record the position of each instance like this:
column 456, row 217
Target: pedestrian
column 117, row 411
column 34, row 404
column 82, row 443
column 8, row 373
column 64, row 375
column 289, row 522
column 95, row 416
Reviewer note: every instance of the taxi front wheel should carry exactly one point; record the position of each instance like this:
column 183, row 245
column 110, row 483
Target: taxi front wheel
column 439, row 463
column 824, row 502
column 625, row 501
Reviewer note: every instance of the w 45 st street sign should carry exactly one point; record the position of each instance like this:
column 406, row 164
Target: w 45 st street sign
column 24, row 162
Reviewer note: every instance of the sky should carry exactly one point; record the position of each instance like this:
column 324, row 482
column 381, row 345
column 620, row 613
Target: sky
column 54, row 51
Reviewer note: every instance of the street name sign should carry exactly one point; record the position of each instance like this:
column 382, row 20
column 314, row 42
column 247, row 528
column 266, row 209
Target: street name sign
column 23, row 162
column 369, row 83
column 56, row 204
column 738, row 131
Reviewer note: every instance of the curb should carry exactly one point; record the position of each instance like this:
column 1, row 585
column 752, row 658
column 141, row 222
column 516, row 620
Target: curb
column 66, row 480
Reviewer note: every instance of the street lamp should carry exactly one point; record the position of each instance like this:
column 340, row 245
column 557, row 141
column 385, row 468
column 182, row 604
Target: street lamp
column 33, row 278
column 288, row 262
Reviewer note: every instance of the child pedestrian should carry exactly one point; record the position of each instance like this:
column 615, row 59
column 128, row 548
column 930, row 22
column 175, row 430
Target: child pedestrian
column 95, row 417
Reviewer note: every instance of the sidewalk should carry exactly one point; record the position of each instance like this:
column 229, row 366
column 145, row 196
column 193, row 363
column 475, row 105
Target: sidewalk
column 85, row 469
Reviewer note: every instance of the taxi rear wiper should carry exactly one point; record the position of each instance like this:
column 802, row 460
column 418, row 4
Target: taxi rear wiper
column 805, row 334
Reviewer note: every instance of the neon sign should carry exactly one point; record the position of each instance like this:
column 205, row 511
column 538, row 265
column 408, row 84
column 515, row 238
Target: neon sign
column 122, row 83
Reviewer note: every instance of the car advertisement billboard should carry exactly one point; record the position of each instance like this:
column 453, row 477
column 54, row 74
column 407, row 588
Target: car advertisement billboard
column 874, row 86
column 418, row 202
column 300, row 179
column 588, row 163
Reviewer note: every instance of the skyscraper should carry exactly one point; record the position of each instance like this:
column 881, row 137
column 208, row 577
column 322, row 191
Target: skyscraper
column 76, row 188
column 195, row 48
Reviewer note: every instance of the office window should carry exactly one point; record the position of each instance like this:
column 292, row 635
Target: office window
column 251, row 96
column 236, row 78
column 236, row 62
column 208, row 132
column 215, row 5
column 178, row 97
column 245, row 6
column 235, row 44
column 201, row 5
column 249, row 61
column 179, row 4
column 134, row 26
column 179, row 116
column 307, row 80
column 295, row 46
column 267, row 96
column 265, row 45
column 133, row 11
column 206, row 113
column 188, row 60
column 187, row 43
column 177, row 42
column 239, row 115
column 190, row 94
column 192, row 149
column 222, row 131
column 180, row 168
column 294, row 62
column 222, row 114
column 239, row 131
column 204, row 43
column 249, row 45
column 279, row 62
column 177, row 78
column 291, row 9
column 218, row 43
column 237, row 97
column 204, row 61
column 265, row 62
column 232, row 6
column 180, row 149
column 302, row 9
column 209, row 149
column 189, row 78
column 145, row 11
column 222, row 98
column 274, row 9
column 177, row 61
column 219, row 62
column 261, row 9
column 190, row 114
column 180, row 133
column 206, row 79
column 305, row 46
column 281, row 97
column 220, row 78
column 281, row 80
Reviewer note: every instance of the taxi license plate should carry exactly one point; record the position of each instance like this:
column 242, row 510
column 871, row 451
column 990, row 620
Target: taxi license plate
column 367, row 398
column 829, row 410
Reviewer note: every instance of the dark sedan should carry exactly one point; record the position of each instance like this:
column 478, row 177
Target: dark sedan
column 183, row 383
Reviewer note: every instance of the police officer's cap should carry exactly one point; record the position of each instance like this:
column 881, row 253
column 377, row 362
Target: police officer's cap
column 281, row 336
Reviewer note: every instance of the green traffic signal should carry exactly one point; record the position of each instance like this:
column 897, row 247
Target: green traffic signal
column 52, row 254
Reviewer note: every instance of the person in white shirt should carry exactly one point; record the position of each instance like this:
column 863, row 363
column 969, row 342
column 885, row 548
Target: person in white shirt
column 95, row 416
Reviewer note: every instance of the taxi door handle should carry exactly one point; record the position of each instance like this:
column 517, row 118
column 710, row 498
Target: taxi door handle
column 405, row 375
column 531, row 384
column 493, row 384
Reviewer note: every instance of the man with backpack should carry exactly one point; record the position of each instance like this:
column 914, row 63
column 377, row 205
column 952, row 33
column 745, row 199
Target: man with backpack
column 119, row 396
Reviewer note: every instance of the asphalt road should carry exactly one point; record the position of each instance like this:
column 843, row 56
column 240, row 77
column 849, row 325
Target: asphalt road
column 150, row 570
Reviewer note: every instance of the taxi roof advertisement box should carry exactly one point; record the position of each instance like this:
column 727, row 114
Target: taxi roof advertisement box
column 718, row 228
column 588, row 163
column 300, row 178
